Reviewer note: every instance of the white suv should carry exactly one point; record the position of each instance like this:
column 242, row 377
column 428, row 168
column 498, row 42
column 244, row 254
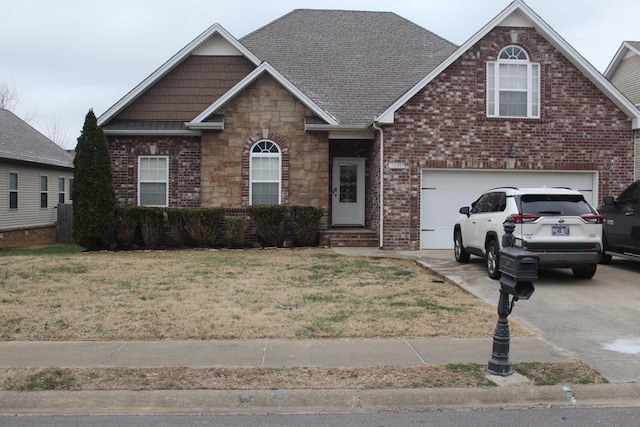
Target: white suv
column 558, row 224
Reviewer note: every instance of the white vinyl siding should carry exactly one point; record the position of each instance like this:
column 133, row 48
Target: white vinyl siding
column 626, row 78
column 153, row 181
column 28, row 213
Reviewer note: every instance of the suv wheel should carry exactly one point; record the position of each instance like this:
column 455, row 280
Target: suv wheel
column 458, row 249
column 585, row 272
column 493, row 260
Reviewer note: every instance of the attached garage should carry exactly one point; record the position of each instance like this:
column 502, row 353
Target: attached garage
column 444, row 191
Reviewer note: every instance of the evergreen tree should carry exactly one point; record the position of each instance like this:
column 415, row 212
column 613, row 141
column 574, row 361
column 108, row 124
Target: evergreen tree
column 94, row 200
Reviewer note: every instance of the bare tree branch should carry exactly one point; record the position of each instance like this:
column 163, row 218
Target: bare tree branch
column 9, row 96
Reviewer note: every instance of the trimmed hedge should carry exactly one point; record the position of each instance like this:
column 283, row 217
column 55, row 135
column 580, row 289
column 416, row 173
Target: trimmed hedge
column 203, row 224
column 305, row 221
column 269, row 220
column 142, row 221
column 235, row 231
column 143, row 226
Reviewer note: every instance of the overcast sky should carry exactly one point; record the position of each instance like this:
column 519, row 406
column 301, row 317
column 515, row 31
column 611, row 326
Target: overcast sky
column 65, row 57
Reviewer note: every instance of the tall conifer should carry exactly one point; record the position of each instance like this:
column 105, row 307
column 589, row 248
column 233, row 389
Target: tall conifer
column 94, row 200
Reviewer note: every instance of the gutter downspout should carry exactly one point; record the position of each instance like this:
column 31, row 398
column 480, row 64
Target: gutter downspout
column 379, row 129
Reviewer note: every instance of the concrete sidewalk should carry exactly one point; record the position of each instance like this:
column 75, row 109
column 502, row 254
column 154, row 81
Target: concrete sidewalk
column 269, row 353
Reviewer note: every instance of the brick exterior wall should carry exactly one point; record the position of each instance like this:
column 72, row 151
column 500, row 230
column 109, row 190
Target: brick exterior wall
column 184, row 167
column 445, row 126
column 41, row 235
column 264, row 110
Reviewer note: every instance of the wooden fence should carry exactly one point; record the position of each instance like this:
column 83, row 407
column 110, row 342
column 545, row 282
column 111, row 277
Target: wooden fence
column 65, row 219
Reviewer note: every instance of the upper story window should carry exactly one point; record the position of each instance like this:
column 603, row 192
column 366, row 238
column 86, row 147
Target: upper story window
column 153, row 181
column 513, row 85
column 13, row 190
column 265, row 173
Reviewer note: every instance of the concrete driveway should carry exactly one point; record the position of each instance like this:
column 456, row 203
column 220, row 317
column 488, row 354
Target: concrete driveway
column 597, row 320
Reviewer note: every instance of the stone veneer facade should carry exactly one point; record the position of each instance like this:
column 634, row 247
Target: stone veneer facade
column 265, row 110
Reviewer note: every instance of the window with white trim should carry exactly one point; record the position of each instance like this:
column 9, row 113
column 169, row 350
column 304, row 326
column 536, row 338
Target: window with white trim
column 13, row 190
column 60, row 190
column 265, row 173
column 513, row 85
column 153, row 181
column 44, row 192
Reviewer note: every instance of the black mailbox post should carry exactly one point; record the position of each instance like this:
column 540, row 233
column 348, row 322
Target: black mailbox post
column 519, row 269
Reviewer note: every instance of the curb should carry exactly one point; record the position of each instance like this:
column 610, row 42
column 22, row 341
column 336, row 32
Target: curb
column 310, row 401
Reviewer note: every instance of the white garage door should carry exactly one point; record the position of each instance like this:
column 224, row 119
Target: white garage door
column 445, row 191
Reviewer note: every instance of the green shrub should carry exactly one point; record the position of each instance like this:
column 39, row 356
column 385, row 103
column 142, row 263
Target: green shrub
column 269, row 220
column 203, row 224
column 127, row 220
column 175, row 219
column 235, row 231
column 151, row 225
column 305, row 221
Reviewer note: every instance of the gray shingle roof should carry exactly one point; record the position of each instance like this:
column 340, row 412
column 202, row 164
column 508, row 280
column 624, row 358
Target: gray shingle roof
column 20, row 142
column 352, row 64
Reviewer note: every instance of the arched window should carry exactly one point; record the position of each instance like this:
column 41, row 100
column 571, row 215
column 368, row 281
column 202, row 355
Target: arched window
column 265, row 173
column 513, row 85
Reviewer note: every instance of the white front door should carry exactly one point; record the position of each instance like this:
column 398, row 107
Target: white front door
column 348, row 191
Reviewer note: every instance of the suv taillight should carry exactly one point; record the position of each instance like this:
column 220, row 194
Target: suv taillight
column 524, row 218
column 593, row 219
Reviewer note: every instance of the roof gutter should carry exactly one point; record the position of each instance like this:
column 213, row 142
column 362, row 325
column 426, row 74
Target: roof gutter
column 379, row 129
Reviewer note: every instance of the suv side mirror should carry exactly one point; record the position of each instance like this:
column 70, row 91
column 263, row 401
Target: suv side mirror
column 609, row 200
column 465, row 210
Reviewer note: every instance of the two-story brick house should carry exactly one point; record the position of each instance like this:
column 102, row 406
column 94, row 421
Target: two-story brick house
column 383, row 124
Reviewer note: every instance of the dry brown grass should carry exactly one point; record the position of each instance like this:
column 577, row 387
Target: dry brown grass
column 221, row 294
column 374, row 377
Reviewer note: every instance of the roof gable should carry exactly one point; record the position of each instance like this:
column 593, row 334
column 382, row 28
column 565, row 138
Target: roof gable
column 214, row 41
column 518, row 14
column 626, row 48
column 200, row 121
column 22, row 143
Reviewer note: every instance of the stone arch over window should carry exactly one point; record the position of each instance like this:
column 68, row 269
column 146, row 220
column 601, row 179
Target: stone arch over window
column 264, row 147
column 513, row 84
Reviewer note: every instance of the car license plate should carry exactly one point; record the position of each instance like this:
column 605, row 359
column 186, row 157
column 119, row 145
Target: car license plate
column 560, row 230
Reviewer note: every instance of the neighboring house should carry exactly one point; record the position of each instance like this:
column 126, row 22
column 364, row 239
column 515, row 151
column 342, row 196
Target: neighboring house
column 35, row 175
column 383, row 124
column 624, row 73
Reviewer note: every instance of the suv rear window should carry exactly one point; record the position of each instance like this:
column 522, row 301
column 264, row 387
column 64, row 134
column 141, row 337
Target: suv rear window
column 554, row 204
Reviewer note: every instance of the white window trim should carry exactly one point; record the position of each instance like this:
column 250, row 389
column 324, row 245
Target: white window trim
column 531, row 87
column 166, row 203
column 64, row 188
column 251, row 157
column 9, row 191
column 46, row 191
